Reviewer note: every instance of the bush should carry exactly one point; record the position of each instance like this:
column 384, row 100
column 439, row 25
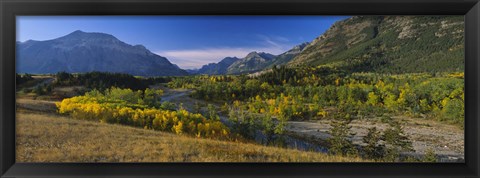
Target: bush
column 453, row 111
column 168, row 106
column 26, row 90
column 39, row 90
column 20, row 79
column 430, row 156
column 117, row 106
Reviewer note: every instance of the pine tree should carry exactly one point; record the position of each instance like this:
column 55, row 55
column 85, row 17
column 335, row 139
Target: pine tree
column 373, row 149
column 396, row 142
column 339, row 140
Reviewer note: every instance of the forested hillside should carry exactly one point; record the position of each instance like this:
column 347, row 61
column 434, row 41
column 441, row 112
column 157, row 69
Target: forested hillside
column 389, row 44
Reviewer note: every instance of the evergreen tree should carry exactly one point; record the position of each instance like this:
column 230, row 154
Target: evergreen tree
column 373, row 149
column 339, row 142
column 396, row 142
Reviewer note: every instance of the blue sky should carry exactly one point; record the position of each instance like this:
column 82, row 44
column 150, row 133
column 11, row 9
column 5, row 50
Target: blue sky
column 188, row 41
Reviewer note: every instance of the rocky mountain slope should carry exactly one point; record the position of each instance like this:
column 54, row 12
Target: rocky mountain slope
column 80, row 52
column 253, row 62
column 286, row 57
column 217, row 68
column 389, row 44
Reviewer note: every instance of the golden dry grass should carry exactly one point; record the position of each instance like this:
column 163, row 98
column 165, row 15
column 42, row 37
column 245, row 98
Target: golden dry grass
column 45, row 137
column 36, row 105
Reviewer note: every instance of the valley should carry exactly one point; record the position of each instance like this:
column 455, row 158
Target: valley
column 446, row 140
column 264, row 127
column 368, row 89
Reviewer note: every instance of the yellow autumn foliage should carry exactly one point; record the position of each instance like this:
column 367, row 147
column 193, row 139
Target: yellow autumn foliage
column 98, row 108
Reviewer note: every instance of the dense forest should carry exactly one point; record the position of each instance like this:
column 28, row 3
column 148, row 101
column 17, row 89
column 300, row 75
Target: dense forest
column 309, row 93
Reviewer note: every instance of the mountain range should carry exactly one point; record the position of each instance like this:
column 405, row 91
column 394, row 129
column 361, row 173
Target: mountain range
column 80, row 52
column 253, row 62
column 384, row 44
column 216, row 68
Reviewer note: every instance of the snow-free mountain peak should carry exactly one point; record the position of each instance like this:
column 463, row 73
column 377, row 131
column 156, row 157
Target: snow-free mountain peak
column 80, row 52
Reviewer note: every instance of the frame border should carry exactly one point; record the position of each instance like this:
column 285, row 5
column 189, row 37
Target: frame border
column 10, row 8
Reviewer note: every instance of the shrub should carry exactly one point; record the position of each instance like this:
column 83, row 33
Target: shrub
column 430, row 156
column 116, row 106
column 20, row 79
column 168, row 106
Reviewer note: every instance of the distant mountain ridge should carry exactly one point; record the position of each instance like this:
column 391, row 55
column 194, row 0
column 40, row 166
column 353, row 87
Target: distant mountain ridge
column 80, row 52
column 217, row 68
column 253, row 62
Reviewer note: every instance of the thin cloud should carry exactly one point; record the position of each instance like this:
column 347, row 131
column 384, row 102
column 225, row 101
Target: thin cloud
column 276, row 41
column 196, row 58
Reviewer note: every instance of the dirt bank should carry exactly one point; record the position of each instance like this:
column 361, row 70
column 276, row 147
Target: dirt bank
column 447, row 141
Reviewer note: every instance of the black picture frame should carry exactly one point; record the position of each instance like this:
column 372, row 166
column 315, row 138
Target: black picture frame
column 11, row 8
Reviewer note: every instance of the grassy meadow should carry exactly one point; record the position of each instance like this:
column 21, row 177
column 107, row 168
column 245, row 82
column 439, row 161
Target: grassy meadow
column 45, row 137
